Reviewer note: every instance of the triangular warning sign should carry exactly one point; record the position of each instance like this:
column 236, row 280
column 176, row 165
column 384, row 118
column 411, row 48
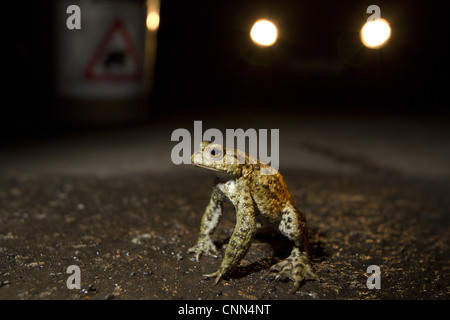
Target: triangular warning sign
column 116, row 58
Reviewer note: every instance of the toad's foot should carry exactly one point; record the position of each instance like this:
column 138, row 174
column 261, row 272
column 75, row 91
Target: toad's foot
column 204, row 246
column 296, row 267
column 218, row 275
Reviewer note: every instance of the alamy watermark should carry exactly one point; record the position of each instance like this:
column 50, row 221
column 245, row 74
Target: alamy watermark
column 74, row 281
column 376, row 12
column 74, row 20
column 374, row 280
column 257, row 144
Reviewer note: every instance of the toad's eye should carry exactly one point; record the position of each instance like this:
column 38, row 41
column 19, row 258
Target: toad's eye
column 215, row 153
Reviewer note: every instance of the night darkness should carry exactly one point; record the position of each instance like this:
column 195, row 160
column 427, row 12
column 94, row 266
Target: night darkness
column 319, row 58
column 205, row 57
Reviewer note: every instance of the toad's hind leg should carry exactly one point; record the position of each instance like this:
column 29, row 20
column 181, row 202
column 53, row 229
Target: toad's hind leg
column 297, row 266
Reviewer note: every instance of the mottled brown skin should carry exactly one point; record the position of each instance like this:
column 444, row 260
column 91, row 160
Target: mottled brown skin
column 258, row 194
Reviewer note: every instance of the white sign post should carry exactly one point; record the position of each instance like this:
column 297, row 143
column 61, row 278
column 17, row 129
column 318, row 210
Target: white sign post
column 101, row 67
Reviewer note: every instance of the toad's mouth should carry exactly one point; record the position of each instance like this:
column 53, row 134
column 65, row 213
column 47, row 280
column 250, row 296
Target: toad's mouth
column 206, row 167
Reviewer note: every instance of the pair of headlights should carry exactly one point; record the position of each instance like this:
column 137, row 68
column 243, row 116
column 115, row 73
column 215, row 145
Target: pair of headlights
column 374, row 34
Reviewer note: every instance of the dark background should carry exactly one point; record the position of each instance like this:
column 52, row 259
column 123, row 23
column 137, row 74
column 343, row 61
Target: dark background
column 205, row 57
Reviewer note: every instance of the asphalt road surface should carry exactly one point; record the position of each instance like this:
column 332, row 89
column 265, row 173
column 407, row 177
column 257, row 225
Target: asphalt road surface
column 111, row 202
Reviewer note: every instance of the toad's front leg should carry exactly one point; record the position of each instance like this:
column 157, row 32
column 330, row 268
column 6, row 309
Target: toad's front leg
column 209, row 222
column 240, row 241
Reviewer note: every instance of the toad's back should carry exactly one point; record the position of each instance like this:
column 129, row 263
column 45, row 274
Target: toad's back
column 270, row 193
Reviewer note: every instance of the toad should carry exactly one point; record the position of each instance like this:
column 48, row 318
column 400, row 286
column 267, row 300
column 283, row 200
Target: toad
column 259, row 195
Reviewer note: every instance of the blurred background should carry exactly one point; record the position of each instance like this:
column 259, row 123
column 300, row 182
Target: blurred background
column 206, row 59
column 107, row 95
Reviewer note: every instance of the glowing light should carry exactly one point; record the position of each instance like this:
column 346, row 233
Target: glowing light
column 375, row 33
column 152, row 21
column 264, row 33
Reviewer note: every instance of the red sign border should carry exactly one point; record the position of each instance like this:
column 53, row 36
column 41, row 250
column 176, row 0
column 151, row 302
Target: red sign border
column 116, row 26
